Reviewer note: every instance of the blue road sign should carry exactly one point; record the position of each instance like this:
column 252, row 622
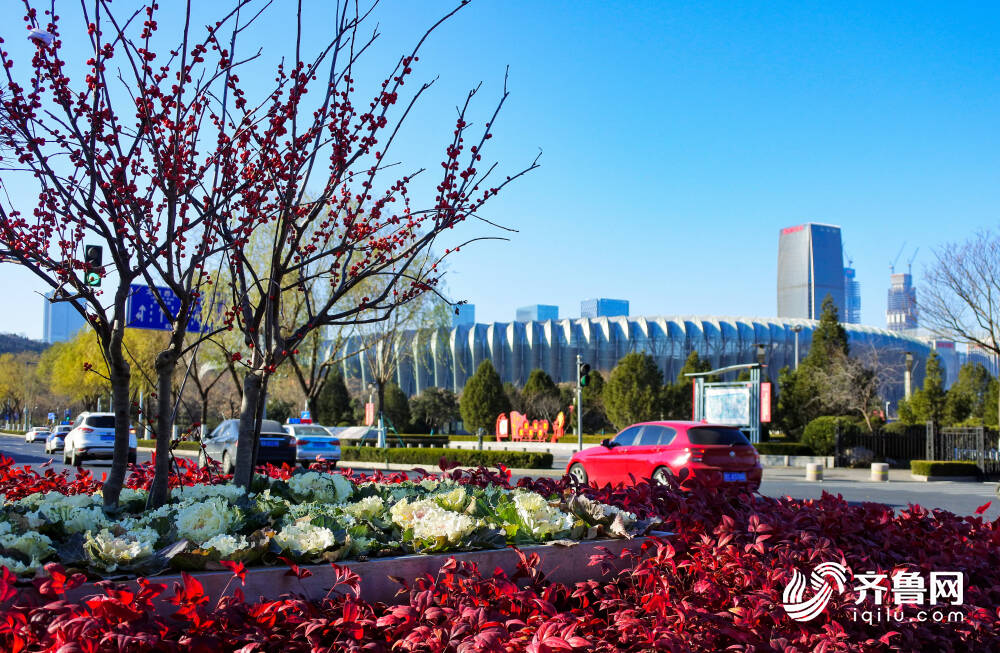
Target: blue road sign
column 144, row 311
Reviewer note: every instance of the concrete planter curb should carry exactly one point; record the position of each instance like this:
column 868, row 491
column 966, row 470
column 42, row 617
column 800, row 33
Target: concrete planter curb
column 561, row 564
column 795, row 461
column 957, row 479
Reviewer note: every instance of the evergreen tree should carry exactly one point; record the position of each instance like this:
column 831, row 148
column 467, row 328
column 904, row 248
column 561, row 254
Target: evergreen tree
column 929, row 402
column 432, row 409
column 514, row 397
column 541, row 395
column 483, row 399
column 634, row 391
column 968, row 396
column 397, row 408
column 828, row 338
column 595, row 416
column 333, row 405
column 677, row 396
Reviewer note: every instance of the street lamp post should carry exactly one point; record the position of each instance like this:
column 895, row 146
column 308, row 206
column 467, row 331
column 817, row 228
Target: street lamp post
column 908, row 377
column 797, row 328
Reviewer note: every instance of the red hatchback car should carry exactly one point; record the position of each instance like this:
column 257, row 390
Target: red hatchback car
column 657, row 450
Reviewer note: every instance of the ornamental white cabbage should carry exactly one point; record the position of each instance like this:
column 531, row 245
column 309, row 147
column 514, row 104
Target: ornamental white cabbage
column 331, row 488
column 19, row 568
column 541, row 519
column 33, row 545
column 73, row 520
column 109, row 551
column 430, row 521
column 5, row 527
column 201, row 520
column 202, row 491
column 225, row 545
column 305, row 538
column 366, row 508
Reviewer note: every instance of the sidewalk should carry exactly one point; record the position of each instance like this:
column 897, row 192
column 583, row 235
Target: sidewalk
column 859, row 475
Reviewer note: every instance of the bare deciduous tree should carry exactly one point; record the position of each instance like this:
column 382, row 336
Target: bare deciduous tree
column 960, row 296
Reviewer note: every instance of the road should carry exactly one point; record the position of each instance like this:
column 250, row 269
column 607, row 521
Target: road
column 960, row 498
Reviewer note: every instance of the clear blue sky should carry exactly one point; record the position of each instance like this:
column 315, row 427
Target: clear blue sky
column 678, row 139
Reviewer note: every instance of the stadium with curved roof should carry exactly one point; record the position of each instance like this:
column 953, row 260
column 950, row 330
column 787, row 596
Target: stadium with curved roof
column 448, row 357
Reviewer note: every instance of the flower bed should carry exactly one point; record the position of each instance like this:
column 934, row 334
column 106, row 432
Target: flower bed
column 716, row 585
column 305, row 517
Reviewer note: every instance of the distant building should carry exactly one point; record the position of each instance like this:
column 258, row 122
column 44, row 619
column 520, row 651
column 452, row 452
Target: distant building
column 60, row 321
column 901, row 314
column 604, row 308
column 810, row 267
column 852, row 297
column 464, row 314
column 537, row 313
column 984, row 357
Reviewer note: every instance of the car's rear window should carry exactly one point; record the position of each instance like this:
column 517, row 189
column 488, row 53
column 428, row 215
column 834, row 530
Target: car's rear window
column 709, row 435
column 101, row 421
column 310, row 430
column 270, row 426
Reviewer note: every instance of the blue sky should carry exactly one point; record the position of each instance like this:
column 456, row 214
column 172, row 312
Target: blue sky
column 678, row 138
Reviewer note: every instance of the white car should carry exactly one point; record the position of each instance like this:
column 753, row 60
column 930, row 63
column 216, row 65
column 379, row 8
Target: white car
column 54, row 442
column 36, row 433
column 93, row 436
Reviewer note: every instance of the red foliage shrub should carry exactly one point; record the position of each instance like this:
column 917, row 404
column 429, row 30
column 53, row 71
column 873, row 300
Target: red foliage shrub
column 716, row 584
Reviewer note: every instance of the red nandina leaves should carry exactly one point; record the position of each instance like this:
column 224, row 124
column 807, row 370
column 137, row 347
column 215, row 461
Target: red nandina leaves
column 983, row 508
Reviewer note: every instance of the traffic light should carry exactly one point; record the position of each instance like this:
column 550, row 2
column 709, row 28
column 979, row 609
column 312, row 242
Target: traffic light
column 92, row 265
column 583, row 374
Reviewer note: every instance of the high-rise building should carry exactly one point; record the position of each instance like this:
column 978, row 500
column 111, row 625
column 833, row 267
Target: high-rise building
column 464, row 314
column 810, row 267
column 604, row 308
column 60, row 321
column 852, row 297
column 901, row 314
column 984, row 357
column 537, row 313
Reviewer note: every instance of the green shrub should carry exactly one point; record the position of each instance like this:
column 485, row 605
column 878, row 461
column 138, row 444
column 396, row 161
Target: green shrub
column 186, row 446
column 783, row 449
column 895, row 428
column 944, row 468
column 821, row 434
column 465, row 457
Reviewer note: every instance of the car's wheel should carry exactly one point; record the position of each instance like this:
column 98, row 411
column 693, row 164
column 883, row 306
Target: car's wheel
column 227, row 464
column 578, row 473
column 202, row 460
column 65, row 456
column 661, row 474
column 75, row 460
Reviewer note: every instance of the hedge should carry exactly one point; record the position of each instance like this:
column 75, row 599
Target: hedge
column 466, row 457
column 821, row 433
column 944, row 468
column 189, row 446
column 784, row 449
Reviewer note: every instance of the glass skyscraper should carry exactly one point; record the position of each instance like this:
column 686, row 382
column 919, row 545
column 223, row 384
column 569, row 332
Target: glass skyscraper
column 60, row 321
column 537, row 313
column 852, row 297
column 901, row 313
column 810, row 267
column 604, row 308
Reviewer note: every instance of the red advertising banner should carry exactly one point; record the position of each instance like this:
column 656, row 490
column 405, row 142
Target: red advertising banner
column 369, row 413
column 765, row 403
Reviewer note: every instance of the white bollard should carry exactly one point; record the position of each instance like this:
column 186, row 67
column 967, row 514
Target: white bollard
column 880, row 471
column 814, row 471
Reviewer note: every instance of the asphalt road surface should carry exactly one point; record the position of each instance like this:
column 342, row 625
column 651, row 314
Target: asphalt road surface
column 960, row 498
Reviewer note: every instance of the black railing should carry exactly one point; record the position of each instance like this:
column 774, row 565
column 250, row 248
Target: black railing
column 896, row 448
column 973, row 443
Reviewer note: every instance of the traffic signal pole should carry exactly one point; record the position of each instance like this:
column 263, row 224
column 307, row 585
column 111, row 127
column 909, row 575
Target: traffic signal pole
column 579, row 405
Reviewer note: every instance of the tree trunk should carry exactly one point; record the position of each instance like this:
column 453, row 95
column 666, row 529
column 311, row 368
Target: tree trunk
column 159, row 490
column 249, row 411
column 120, row 374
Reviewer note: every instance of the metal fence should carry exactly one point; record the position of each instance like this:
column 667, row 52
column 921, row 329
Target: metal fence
column 898, row 448
column 975, row 443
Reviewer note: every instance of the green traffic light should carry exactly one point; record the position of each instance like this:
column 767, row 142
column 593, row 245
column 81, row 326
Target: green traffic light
column 93, row 279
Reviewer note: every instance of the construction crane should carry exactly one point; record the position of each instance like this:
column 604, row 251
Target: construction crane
column 892, row 264
column 909, row 264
